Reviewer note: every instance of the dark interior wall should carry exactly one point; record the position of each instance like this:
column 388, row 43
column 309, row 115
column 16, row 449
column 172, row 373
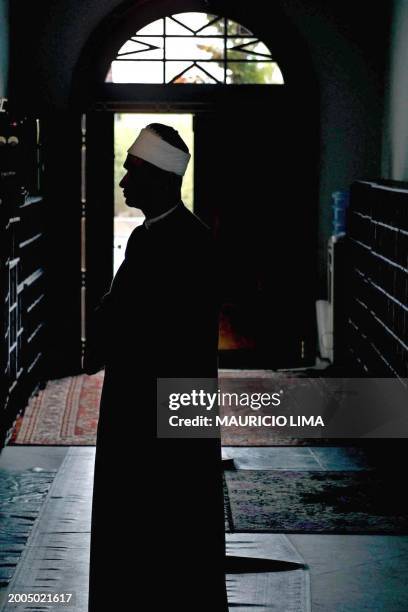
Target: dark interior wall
column 4, row 47
column 43, row 63
column 347, row 43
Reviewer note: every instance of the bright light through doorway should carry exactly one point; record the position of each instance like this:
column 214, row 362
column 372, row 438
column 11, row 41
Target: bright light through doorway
column 127, row 127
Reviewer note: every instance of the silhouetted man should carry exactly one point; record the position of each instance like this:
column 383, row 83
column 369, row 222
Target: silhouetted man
column 157, row 508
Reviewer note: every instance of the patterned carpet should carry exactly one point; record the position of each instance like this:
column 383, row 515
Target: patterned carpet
column 65, row 413
column 286, row 501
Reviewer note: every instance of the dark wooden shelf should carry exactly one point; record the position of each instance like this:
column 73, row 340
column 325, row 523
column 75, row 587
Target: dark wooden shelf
column 22, row 287
column 377, row 317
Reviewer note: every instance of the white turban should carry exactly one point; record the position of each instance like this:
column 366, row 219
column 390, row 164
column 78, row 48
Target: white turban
column 150, row 147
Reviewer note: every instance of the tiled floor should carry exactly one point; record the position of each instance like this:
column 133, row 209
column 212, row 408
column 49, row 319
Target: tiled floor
column 296, row 458
column 14, row 462
column 56, row 557
column 27, row 457
column 348, row 573
column 356, row 573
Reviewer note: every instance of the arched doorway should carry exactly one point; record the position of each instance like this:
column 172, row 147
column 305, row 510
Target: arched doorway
column 255, row 147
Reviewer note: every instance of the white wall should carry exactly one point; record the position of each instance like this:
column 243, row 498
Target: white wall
column 395, row 150
column 4, row 47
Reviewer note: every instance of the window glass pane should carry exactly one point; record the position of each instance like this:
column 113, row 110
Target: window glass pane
column 175, row 68
column 277, row 76
column 199, row 57
column 193, row 48
column 249, row 49
column 196, row 75
column 235, row 29
column 137, row 72
column 215, row 70
column 128, row 46
column 109, row 77
column 176, row 29
column 155, row 28
column 213, row 27
column 194, row 21
column 138, row 48
column 254, row 72
column 259, row 47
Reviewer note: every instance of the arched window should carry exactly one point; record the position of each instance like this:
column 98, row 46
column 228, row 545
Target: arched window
column 194, row 48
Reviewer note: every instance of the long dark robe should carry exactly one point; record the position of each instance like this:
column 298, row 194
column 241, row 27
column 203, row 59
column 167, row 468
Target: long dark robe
column 157, row 511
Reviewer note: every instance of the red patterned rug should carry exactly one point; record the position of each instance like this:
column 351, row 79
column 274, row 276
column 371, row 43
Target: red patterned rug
column 65, row 413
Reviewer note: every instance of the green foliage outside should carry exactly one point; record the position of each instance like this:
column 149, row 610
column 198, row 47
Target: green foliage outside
column 241, row 72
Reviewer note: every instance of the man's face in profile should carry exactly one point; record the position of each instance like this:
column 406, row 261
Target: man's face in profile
column 138, row 182
column 148, row 187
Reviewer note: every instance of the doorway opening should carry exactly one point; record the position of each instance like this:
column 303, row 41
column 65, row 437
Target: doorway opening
column 253, row 179
column 126, row 127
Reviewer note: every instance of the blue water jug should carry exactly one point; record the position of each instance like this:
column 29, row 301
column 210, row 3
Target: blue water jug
column 340, row 200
